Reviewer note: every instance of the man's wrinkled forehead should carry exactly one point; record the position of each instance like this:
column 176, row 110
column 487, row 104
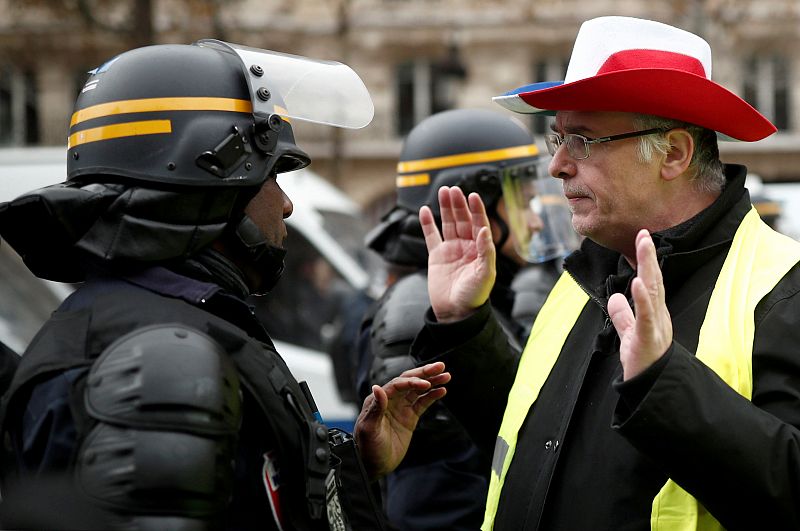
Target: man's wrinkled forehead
column 589, row 123
column 572, row 122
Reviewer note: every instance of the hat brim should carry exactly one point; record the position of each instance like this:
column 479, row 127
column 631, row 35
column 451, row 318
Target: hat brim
column 661, row 92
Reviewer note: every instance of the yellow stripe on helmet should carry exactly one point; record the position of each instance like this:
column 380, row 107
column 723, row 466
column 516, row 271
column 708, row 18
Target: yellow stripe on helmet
column 417, row 179
column 463, row 159
column 160, row 104
column 107, row 132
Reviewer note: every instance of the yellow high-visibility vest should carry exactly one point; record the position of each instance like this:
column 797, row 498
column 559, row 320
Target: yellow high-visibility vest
column 757, row 260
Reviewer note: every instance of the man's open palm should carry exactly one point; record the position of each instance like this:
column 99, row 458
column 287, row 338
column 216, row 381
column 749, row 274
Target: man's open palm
column 461, row 260
column 646, row 335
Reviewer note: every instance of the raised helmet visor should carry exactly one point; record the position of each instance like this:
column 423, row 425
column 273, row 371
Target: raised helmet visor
column 324, row 92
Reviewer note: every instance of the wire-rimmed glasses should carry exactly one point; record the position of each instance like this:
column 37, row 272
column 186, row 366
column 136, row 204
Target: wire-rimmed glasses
column 578, row 145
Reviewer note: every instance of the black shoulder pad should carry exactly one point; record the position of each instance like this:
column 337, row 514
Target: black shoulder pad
column 400, row 315
column 398, row 319
column 167, row 407
column 165, row 377
column 531, row 287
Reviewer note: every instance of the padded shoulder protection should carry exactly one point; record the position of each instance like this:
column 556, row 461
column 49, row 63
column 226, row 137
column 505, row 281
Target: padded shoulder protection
column 398, row 319
column 167, row 407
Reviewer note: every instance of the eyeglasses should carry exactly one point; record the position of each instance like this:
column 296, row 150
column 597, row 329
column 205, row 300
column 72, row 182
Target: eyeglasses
column 578, row 145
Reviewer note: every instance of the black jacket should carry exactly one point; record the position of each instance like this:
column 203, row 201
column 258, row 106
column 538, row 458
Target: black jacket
column 276, row 414
column 594, row 451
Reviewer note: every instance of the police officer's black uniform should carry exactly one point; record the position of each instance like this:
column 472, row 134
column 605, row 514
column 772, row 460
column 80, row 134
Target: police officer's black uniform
column 153, row 388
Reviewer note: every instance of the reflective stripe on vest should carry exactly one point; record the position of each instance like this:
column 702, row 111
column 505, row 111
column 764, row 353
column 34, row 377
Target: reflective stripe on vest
column 758, row 258
column 550, row 330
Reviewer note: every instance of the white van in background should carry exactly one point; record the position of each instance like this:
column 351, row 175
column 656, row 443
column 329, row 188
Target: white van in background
column 327, row 269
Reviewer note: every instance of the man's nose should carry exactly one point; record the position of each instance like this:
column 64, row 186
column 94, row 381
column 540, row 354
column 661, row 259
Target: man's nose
column 562, row 165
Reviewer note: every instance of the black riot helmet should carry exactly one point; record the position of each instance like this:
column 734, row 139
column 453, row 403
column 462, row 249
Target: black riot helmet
column 166, row 146
column 179, row 115
column 473, row 149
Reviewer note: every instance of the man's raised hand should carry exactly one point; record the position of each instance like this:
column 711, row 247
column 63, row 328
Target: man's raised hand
column 645, row 336
column 461, row 260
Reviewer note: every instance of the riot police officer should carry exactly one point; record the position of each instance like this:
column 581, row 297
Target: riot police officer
column 153, row 389
column 442, row 482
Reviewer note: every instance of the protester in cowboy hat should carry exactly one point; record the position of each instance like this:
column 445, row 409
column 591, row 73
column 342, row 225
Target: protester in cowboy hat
column 660, row 388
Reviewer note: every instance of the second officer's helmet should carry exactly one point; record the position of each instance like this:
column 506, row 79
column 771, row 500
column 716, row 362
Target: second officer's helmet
column 477, row 150
column 168, row 143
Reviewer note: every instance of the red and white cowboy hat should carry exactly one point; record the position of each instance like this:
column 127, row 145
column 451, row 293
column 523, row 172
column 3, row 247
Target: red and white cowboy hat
column 633, row 65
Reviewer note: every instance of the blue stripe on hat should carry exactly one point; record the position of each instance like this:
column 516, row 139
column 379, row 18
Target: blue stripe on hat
column 534, row 87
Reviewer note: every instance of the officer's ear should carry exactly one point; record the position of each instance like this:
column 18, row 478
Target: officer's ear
column 679, row 156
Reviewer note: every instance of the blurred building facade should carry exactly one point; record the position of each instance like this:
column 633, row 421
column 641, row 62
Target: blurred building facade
column 415, row 56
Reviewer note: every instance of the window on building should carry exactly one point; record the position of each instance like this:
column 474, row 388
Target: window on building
column 19, row 123
column 425, row 87
column 766, row 87
column 405, row 77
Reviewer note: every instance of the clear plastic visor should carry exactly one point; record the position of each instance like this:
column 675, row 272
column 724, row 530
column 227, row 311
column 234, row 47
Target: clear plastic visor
column 539, row 218
column 324, row 92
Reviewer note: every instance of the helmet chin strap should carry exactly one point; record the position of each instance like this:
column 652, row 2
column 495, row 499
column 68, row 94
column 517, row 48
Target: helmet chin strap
column 266, row 259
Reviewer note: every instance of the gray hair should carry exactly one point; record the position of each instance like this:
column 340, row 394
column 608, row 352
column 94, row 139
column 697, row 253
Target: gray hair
column 708, row 174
